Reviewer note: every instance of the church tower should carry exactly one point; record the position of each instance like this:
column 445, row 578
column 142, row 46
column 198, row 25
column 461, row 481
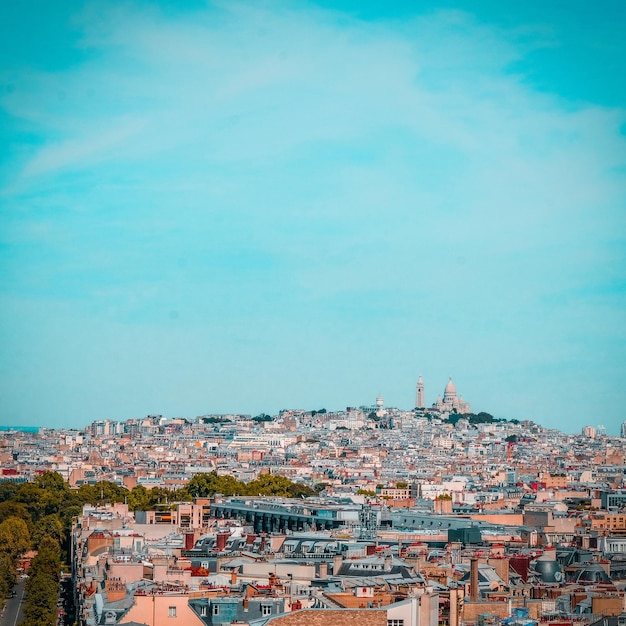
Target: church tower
column 419, row 393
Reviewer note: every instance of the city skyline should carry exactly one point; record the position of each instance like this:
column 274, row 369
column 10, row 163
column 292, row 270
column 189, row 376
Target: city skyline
column 234, row 207
column 443, row 406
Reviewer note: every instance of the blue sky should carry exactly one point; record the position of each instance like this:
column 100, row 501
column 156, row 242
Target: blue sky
column 244, row 206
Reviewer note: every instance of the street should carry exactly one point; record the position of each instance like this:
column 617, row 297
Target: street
column 12, row 612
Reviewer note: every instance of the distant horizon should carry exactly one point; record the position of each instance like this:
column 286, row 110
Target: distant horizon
column 25, row 429
column 244, row 204
column 34, row 428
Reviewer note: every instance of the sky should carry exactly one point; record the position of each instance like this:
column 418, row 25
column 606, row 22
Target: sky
column 215, row 207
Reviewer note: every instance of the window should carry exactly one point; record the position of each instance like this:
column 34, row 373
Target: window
column 203, row 611
column 266, row 609
column 216, row 609
column 395, row 622
column 171, row 611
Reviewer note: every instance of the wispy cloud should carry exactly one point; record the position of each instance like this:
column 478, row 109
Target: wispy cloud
column 300, row 158
column 83, row 152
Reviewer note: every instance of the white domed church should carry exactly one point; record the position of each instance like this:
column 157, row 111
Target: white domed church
column 450, row 402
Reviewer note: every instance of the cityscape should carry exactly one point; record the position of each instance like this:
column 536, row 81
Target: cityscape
column 312, row 313
column 368, row 515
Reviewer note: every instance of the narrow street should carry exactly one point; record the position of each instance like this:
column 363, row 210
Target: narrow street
column 12, row 612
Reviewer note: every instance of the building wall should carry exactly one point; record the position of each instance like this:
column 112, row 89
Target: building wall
column 473, row 610
column 609, row 522
column 553, row 481
column 163, row 572
column 126, row 572
column 617, row 498
column 420, row 611
column 607, row 605
column 394, row 493
column 154, row 610
column 302, row 573
column 96, row 541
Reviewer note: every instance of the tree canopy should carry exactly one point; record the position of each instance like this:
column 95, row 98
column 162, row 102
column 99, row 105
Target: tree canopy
column 206, row 485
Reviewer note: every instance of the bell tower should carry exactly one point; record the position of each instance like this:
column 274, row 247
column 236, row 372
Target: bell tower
column 419, row 393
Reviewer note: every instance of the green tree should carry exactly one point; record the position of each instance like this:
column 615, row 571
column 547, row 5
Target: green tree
column 14, row 509
column 269, row 485
column 47, row 562
column 85, row 494
column 48, row 526
column 103, row 492
column 181, row 495
column 108, row 492
column 8, row 490
column 68, row 514
column 161, row 497
column 480, row 418
column 205, row 485
column 14, row 536
column 299, row 490
column 30, row 495
column 51, row 481
column 54, row 492
column 8, row 576
column 42, row 587
column 139, row 499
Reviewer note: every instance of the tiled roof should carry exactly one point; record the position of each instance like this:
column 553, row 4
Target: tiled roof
column 329, row 617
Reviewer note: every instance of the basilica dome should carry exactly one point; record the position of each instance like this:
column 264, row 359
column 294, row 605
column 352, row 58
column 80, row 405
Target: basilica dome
column 451, row 403
column 450, row 389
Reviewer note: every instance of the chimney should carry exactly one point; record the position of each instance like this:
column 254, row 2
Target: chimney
column 233, row 578
column 115, row 589
column 324, row 570
column 337, row 563
column 474, row 580
column 456, row 598
column 190, row 540
column 388, row 562
column 221, row 541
